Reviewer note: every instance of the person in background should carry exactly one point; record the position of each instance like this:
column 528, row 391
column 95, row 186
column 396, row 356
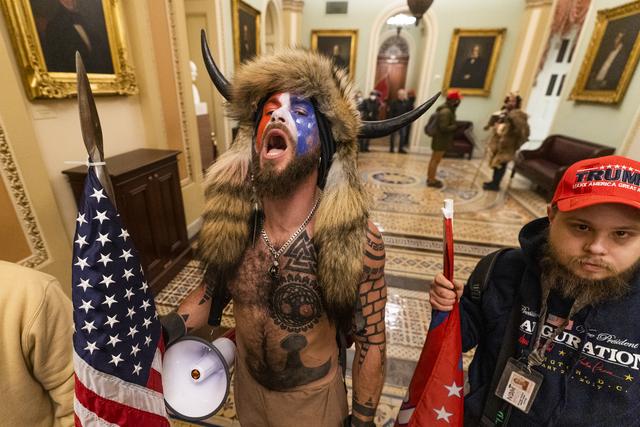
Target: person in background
column 510, row 131
column 397, row 107
column 368, row 109
column 565, row 304
column 36, row 352
column 411, row 96
column 443, row 136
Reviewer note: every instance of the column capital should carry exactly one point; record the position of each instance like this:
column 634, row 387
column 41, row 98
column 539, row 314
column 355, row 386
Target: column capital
column 293, row 5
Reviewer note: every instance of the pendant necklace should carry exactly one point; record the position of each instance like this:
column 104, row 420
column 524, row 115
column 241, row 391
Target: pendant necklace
column 274, row 270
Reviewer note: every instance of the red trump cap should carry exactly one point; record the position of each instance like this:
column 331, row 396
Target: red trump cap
column 609, row 179
column 454, row 94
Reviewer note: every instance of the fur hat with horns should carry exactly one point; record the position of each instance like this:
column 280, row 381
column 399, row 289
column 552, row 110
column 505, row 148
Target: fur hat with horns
column 342, row 214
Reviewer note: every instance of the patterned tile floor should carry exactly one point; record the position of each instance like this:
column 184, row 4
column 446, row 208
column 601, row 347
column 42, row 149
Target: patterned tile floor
column 408, row 214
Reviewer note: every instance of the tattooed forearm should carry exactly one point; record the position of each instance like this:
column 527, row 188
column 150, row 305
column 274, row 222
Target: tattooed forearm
column 360, row 410
column 372, row 299
column 208, row 294
column 369, row 333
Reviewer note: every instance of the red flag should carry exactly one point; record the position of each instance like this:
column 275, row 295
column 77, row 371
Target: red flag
column 382, row 86
column 435, row 394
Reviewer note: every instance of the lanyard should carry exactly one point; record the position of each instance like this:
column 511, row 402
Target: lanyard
column 537, row 356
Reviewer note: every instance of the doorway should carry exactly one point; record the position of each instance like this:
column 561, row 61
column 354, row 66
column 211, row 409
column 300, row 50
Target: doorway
column 392, row 64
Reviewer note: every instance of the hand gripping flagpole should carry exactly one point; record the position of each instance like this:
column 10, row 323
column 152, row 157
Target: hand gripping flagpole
column 435, row 394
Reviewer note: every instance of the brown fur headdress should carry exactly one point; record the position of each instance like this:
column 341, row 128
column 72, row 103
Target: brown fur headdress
column 342, row 215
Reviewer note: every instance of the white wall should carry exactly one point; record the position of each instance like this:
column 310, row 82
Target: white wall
column 601, row 123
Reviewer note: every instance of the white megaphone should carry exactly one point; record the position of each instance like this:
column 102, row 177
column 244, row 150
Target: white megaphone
column 196, row 377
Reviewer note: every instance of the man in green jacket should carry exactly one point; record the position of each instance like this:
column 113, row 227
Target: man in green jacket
column 443, row 136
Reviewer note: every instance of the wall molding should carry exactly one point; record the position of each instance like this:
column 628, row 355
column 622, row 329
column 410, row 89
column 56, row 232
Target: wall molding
column 293, row 5
column 24, row 208
column 538, row 3
column 175, row 55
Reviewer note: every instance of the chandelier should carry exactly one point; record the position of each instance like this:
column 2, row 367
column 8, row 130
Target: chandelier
column 418, row 8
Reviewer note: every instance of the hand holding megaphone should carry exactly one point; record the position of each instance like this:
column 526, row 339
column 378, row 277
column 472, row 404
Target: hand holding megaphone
column 196, row 375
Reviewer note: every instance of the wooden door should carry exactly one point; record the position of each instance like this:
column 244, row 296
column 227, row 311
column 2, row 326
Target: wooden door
column 395, row 69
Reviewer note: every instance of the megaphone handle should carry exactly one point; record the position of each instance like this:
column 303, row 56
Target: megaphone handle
column 230, row 334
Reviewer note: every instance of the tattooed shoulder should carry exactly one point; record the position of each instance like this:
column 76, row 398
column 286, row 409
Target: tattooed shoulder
column 374, row 254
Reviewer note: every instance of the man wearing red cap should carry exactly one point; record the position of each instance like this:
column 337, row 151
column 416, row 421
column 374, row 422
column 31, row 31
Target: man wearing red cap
column 443, row 135
column 554, row 322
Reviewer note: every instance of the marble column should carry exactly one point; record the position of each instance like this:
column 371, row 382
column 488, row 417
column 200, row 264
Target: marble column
column 292, row 19
column 532, row 39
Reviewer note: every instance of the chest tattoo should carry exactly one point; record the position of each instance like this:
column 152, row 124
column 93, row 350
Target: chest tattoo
column 295, row 301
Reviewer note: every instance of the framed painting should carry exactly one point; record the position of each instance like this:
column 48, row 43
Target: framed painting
column 246, row 31
column 612, row 56
column 46, row 34
column 339, row 45
column 473, row 55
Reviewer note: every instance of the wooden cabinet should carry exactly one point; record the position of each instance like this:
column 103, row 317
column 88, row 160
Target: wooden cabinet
column 149, row 199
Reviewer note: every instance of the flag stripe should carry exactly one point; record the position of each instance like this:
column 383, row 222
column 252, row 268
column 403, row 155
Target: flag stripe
column 123, row 415
column 117, row 390
column 86, row 418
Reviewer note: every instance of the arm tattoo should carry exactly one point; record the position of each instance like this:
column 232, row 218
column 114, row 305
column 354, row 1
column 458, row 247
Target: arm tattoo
column 372, row 298
column 209, row 281
column 367, row 410
column 208, row 293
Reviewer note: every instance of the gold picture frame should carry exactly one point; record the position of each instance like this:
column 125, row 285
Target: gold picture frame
column 473, row 55
column 612, row 56
column 334, row 44
column 42, row 46
column 246, row 31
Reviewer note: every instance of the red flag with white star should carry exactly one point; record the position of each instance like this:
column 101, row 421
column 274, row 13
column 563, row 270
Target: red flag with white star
column 435, row 394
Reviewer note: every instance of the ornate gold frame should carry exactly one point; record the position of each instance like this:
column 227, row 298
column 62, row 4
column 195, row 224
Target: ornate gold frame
column 498, row 34
column 236, row 6
column 579, row 92
column 339, row 33
column 39, row 82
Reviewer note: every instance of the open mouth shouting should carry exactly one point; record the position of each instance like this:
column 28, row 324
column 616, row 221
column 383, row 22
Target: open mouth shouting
column 275, row 142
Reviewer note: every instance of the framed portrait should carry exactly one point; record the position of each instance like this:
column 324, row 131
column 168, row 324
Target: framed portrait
column 47, row 33
column 473, row 55
column 612, row 56
column 339, row 45
column 246, row 31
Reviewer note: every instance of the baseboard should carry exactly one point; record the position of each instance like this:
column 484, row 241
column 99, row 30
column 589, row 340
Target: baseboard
column 194, row 228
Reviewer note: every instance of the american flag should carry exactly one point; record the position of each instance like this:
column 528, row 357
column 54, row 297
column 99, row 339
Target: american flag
column 435, row 394
column 118, row 342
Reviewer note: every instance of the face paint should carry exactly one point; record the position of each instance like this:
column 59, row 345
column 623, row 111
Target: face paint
column 304, row 117
column 297, row 114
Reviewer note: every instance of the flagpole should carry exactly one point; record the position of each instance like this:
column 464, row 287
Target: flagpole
column 91, row 129
column 447, row 236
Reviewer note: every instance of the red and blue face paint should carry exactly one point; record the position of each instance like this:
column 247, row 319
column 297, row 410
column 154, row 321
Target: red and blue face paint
column 296, row 113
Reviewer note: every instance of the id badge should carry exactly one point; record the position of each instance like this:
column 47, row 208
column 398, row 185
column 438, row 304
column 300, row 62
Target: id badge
column 519, row 385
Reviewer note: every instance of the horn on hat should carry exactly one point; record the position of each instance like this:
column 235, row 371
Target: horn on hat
column 218, row 79
column 369, row 129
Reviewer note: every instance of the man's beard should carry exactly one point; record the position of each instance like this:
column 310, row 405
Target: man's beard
column 271, row 183
column 560, row 278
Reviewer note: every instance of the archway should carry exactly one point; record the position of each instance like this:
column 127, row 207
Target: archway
column 392, row 64
column 425, row 84
column 272, row 35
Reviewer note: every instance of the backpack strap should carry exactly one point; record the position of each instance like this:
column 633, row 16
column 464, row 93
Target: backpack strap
column 495, row 409
column 220, row 298
column 479, row 280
